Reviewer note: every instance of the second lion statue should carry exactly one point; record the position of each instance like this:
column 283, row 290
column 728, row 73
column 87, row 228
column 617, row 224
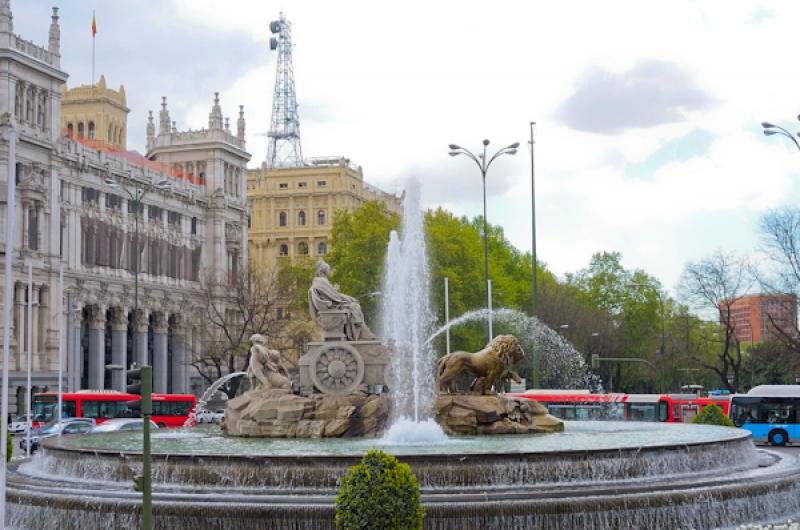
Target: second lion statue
column 490, row 365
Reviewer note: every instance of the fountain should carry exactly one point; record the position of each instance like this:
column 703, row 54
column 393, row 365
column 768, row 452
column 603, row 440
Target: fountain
column 289, row 439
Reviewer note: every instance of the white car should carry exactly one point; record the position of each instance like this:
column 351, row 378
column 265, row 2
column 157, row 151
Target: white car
column 18, row 425
column 123, row 424
column 210, row 416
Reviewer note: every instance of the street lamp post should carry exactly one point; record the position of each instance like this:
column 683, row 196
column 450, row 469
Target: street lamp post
column 483, row 164
column 662, row 347
column 136, row 197
column 771, row 128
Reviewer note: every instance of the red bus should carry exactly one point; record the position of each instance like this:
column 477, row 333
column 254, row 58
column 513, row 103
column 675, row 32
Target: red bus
column 169, row 410
column 582, row 405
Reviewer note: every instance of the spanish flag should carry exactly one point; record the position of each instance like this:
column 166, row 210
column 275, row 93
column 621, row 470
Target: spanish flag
column 94, row 26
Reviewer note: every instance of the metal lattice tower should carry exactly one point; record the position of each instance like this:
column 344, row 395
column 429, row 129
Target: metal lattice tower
column 284, row 148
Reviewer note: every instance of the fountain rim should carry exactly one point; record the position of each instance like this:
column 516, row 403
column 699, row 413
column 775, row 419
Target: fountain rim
column 55, row 444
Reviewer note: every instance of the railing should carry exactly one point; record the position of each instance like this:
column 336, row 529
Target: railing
column 29, row 48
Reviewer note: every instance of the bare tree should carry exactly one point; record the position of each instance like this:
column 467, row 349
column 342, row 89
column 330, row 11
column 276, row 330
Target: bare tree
column 780, row 236
column 234, row 307
column 716, row 283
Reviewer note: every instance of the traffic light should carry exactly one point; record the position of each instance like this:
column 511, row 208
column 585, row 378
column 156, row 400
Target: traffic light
column 134, row 382
column 595, row 361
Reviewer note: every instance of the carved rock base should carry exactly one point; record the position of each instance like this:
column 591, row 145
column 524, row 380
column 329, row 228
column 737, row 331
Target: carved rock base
column 493, row 414
column 281, row 414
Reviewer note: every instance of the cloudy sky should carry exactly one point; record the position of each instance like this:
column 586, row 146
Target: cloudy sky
column 648, row 137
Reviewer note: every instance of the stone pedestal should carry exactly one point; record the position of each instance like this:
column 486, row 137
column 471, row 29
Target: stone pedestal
column 493, row 414
column 278, row 413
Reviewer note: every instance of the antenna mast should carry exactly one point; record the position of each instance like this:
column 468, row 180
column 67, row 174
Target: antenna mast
column 284, row 135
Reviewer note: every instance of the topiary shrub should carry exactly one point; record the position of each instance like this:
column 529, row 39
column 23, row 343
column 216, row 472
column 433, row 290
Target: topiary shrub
column 713, row 415
column 379, row 493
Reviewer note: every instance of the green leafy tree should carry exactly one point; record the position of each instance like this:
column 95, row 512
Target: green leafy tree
column 359, row 238
column 712, row 415
column 379, row 493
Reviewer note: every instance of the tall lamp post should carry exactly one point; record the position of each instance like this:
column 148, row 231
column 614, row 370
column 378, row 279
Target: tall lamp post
column 483, row 164
column 136, row 198
column 771, row 128
column 662, row 347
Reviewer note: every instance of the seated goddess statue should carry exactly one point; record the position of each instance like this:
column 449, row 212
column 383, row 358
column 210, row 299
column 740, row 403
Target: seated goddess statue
column 323, row 296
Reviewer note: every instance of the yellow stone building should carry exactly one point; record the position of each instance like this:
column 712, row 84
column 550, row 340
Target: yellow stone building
column 292, row 208
column 95, row 112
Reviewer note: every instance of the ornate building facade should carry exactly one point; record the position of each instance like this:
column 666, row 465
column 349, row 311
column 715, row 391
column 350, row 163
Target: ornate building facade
column 74, row 207
column 292, row 208
column 96, row 112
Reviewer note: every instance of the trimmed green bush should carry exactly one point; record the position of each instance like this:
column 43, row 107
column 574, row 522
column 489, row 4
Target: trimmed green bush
column 379, row 493
column 713, row 415
column 9, row 446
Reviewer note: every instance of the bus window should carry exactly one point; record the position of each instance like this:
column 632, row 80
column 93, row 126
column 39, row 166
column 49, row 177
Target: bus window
column 663, row 411
column 744, row 411
column 777, row 411
column 641, row 412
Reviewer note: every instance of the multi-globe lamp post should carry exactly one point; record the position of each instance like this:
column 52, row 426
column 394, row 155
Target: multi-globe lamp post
column 771, row 129
column 484, row 162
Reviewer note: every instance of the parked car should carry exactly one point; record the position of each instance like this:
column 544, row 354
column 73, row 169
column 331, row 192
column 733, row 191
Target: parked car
column 210, row 416
column 18, row 424
column 123, row 424
column 65, row 427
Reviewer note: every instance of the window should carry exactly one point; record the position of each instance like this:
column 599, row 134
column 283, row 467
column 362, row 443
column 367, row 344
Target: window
column 301, row 218
column 155, row 212
column 302, row 184
column 282, row 219
column 321, row 217
column 174, row 219
column 172, row 408
column 322, row 183
column 284, row 250
column 302, row 248
column 91, row 130
column 89, row 195
column 33, row 229
column 132, row 207
column 70, row 130
column 283, row 185
column 80, row 129
column 194, row 226
column 322, row 248
column 113, row 201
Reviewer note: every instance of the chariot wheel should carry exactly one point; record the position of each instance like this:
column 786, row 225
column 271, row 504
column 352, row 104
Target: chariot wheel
column 337, row 368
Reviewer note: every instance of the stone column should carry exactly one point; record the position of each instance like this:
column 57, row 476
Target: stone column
column 177, row 340
column 19, row 297
column 74, row 358
column 119, row 348
column 37, row 340
column 160, row 353
column 142, row 327
column 97, row 348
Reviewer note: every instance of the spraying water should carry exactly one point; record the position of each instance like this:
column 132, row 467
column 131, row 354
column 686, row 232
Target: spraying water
column 407, row 319
column 208, row 394
column 559, row 363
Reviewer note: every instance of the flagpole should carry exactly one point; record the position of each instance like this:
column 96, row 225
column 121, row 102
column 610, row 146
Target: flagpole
column 94, row 25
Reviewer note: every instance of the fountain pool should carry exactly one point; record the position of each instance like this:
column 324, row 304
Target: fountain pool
column 594, row 475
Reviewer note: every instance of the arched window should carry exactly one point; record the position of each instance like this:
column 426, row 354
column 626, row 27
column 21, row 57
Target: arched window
column 91, row 130
column 282, row 219
column 301, row 218
column 80, row 129
column 322, row 248
column 302, row 248
column 321, row 217
column 70, row 129
column 284, row 251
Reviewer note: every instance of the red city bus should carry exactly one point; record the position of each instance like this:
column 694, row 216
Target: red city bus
column 582, row 405
column 169, row 410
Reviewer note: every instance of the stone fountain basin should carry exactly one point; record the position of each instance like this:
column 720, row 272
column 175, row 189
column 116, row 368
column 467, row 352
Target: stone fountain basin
column 595, row 475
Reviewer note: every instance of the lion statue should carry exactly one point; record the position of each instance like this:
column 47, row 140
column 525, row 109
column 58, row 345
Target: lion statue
column 490, row 365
